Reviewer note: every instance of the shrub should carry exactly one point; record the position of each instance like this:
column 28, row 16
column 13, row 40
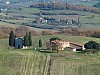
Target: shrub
column 55, row 38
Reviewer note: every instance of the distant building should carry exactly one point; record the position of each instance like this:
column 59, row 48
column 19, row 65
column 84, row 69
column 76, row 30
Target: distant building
column 40, row 20
column 4, row 9
column 7, row 2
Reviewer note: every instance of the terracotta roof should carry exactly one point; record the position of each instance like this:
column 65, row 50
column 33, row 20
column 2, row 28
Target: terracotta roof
column 70, row 47
column 55, row 41
column 59, row 41
column 75, row 44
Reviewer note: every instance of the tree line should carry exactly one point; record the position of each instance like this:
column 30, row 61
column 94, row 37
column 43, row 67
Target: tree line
column 21, row 31
column 64, row 6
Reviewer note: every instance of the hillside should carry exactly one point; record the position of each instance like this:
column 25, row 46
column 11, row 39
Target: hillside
column 24, row 17
column 33, row 62
column 21, row 62
column 97, row 5
column 65, row 6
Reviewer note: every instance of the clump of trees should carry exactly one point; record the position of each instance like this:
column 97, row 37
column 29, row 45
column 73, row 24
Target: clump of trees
column 97, row 5
column 92, row 46
column 53, row 21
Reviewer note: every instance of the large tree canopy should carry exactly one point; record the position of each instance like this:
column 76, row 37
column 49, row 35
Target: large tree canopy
column 92, row 45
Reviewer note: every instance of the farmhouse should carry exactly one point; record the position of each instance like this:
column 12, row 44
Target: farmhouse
column 61, row 45
column 40, row 20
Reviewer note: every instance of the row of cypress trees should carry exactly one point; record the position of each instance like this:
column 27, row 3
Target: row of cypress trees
column 27, row 39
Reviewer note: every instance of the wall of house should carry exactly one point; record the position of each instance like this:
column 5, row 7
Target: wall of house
column 18, row 43
column 63, row 45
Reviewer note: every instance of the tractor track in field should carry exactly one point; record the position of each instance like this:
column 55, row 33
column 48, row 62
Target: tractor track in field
column 48, row 64
column 47, row 67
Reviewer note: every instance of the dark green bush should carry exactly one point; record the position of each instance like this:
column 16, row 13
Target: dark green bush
column 92, row 45
column 55, row 38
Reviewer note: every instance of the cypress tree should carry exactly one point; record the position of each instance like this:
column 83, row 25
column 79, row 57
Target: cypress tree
column 11, row 39
column 0, row 10
column 26, row 40
column 40, row 43
column 66, row 21
column 30, row 39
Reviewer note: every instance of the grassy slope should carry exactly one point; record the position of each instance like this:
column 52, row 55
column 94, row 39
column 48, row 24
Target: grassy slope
column 30, row 62
column 76, row 64
column 20, row 62
column 76, row 39
column 91, row 3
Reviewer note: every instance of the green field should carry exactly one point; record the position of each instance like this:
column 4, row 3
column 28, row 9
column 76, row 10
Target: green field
column 86, row 3
column 21, row 62
column 86, row 18
column 33, row 62
column 77, row 39
column 75, row 64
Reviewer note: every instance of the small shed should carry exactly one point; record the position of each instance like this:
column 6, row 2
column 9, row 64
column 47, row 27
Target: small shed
column 19, row 42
